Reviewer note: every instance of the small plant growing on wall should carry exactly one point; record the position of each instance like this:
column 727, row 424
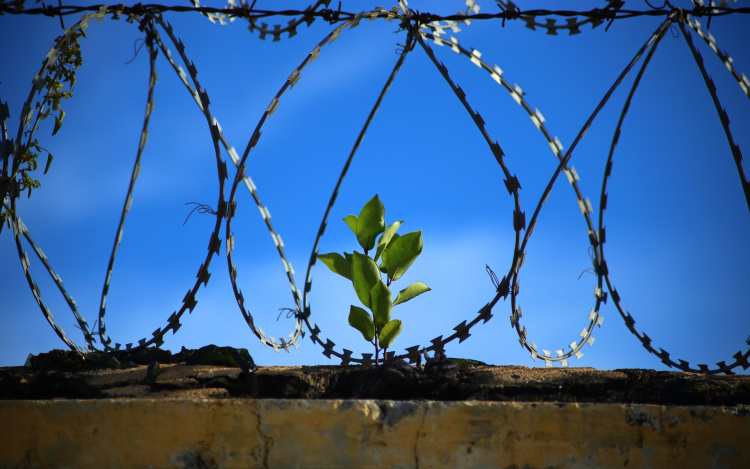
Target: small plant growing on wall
column 60, row 72
column 396, row 254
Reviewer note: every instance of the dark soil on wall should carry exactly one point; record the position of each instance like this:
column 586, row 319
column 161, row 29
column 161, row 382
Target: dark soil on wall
column 156, row 373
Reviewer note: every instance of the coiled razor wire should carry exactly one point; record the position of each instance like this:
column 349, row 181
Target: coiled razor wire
column 440, row 26
column 152, row 78
column 598, row 238
column 432, row 30
column 263, row 29
column 602, row 270
column 610, row 13
column 324, row 223
column 27, row 114
column 585, row 206
column 19, row 228
column 515, row 91
column 189, row 301
column 414, row 353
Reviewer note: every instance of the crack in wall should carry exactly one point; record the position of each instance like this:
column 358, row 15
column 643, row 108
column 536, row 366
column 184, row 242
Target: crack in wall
column 419, row 431
column 267, row 440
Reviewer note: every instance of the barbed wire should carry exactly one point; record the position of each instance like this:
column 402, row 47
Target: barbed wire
column 419, row 28
column 602, row 270
column 572, row 25
column 10, row 149
column 586, row 209
column 152, row 78
column 509, row 12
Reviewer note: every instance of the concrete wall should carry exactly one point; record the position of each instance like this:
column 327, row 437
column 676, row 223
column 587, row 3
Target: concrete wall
column 247, row 433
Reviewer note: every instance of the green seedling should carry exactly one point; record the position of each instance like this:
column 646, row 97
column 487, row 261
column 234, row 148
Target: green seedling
column 59, row 74
column 396, row 254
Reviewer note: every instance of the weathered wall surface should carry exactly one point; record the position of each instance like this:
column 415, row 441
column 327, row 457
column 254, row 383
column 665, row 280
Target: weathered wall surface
column 394, row 381
column 249, row 433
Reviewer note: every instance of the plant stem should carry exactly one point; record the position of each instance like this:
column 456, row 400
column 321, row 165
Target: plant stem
column 377, row 350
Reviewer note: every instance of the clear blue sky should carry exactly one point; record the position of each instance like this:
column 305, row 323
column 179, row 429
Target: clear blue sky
column 677, row 222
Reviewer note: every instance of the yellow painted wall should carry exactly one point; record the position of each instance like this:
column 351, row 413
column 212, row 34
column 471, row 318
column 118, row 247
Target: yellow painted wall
column 246, row 433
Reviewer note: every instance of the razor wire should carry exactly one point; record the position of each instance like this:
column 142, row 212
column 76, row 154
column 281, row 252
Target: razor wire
column 263, row 210
column 742, row 80
column 152, row 79
column 602, row 270
column 472, row 8
column 189, row 301
column 324, row 223
column 16, row 7
column 203, row 275
column 597, row 238
column 432, row 30
column 585, row 206
column 346, row 356
column 19, row 228
column 241, row 170
column 517, row 93
column 264, row 30
column 572, row 25
column 414, row 353
column 536, row 117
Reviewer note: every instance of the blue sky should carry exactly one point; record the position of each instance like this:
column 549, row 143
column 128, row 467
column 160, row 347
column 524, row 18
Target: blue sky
column 677, row 221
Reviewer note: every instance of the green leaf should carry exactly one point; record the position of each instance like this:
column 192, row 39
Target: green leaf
column 384, row 254
column 55, row 103
column 29, row 360
column 371, row 223
column 351, row 222
column 403, row 253
column 58, row 121
column 348, row 257
column 413, row 290
column 386, row 238
column 337, row 263
column 362, row 321
column 381, row 303
column 365, row 275
column 389, row 333
column 49, row 162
